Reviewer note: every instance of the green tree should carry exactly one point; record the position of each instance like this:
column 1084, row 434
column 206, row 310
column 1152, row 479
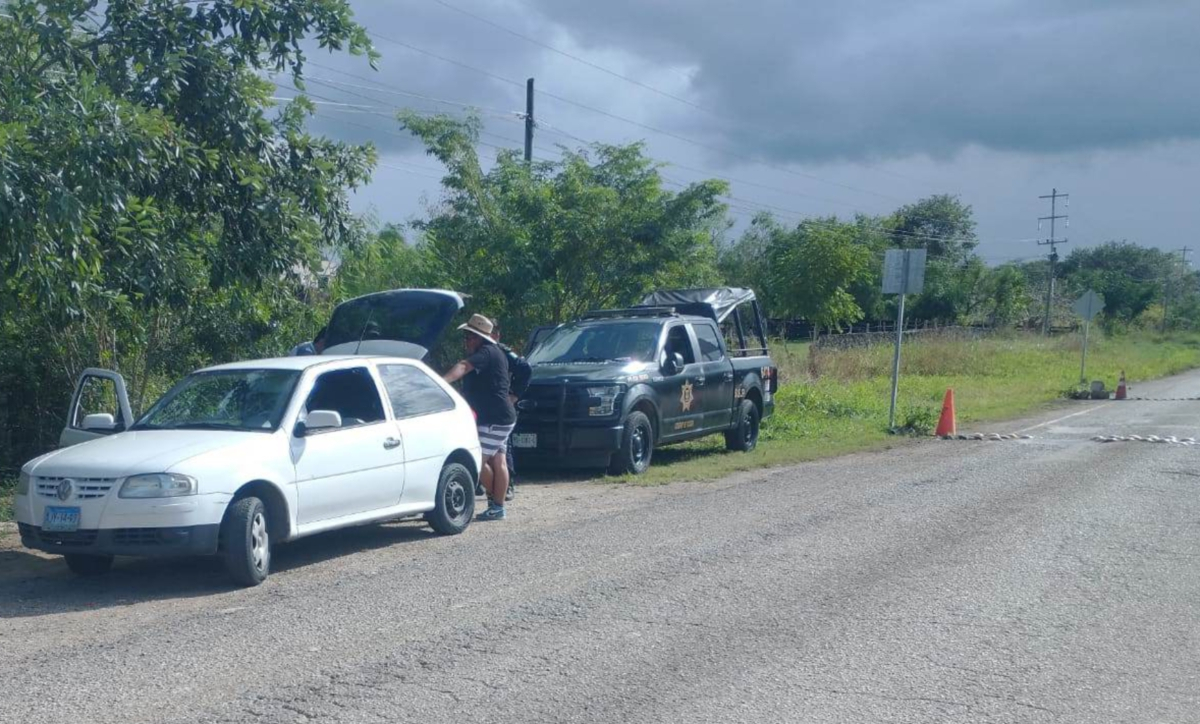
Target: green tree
column 384, row 261
column 941, row 224
column 549, row 241
column 814, row 266
column 1130, row 278
column 149, row 188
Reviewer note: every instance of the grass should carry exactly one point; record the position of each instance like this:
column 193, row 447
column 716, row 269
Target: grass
column 8, row 489
column 836, row 401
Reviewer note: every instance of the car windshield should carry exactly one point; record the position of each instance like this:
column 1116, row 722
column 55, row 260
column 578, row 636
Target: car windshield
column 223, row 400
column 607, row 342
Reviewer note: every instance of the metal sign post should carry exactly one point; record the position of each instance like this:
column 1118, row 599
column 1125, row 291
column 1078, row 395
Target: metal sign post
column 903, row 273
column 1087, row 306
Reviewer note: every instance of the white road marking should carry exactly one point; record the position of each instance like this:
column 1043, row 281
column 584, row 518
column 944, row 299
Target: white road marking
column 1067, row 417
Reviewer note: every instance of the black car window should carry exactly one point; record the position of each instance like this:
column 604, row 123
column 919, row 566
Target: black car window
column 710, row 344
column 412, row 392
column 678, row 341
column 350, row 393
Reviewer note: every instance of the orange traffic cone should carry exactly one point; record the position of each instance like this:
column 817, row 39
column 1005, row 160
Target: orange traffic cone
column 946, row 425
column 1121, row 390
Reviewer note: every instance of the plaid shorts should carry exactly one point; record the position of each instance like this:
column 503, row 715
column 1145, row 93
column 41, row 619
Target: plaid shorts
column 492, row 438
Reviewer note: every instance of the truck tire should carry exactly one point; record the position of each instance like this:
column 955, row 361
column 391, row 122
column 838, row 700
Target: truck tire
column 82, row 564
column 246, row 542
column 637, row 446
column 744, row 435
column 454, row 503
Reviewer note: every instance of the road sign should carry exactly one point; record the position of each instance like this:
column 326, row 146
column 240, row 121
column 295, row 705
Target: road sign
column 903, row 271
column 1088, row 306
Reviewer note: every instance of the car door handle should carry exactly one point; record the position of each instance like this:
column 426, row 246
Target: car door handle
column 391, row 443
column 729, row 377
column 700, row 381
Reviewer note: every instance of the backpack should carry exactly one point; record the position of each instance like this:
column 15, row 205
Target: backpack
column 519, row 371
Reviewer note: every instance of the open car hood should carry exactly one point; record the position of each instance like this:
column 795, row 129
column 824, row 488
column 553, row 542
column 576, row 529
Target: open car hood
column 715, row 304
column 397, row 323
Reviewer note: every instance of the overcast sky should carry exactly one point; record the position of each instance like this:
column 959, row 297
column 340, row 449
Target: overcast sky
column 814, row 107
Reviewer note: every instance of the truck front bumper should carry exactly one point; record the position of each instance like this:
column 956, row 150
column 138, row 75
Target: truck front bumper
column 567, row 445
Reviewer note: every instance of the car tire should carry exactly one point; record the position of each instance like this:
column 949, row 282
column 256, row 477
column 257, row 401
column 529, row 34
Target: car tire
column 637, row 446
column 84, row 565
column 246, row 542
column 744, row 436
column 454, row 505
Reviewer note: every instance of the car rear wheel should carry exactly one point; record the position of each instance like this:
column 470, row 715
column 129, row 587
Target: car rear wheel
column 744, row 436
column 246, row 542
column 85, row 565
column 454, row 504
column 637, row 446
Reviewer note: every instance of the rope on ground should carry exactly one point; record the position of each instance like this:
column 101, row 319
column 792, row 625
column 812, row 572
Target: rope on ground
column 991, row 436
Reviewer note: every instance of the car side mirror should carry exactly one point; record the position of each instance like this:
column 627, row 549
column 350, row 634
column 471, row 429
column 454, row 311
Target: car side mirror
column 318, row 420
column 672, row 363
column 99, row 422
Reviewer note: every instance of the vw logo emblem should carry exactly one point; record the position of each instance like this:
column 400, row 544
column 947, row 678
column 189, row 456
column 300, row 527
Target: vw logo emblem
column 64, row 490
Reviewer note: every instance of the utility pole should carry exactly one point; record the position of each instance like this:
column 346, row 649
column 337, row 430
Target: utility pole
column 1167, row 287
column 529, row 121
column 1054, row 216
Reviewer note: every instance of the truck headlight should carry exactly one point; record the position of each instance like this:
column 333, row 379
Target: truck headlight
column 158, row 485
column 23, row 483
column 607, row 397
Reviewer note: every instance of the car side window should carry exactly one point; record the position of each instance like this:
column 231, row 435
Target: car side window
column 351, row 393
column 678, row 341
column 412, row 392
column 710, row 344
column 97, row 395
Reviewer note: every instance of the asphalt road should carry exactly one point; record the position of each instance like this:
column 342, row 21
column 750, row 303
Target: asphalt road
column 1047, row 580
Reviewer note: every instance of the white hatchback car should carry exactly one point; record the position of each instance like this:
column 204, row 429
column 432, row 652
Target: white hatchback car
column 239, row 457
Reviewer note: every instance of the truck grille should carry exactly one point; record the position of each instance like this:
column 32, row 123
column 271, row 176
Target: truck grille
column 541, row 403
column 81, row 488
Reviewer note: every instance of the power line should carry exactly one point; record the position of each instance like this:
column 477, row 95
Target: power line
column 576, row 58
column 630, row 121
column 1054, row 196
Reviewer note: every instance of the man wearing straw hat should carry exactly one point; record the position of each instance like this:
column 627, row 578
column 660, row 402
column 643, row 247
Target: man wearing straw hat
column 485, row 378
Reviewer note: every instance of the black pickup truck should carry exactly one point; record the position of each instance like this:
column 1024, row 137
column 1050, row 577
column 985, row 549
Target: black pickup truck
column 611, row 387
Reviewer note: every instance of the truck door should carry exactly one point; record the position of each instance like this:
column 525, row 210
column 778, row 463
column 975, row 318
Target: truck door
column 716, row 378
column 99, row 407
column 678, row 393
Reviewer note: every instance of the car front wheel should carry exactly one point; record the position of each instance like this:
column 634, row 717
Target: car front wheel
column 637, row 446
column 246, row 542
column 454, row 504
column 85, row 565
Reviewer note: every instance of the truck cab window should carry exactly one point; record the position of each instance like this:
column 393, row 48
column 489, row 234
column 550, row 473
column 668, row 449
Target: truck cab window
column 678, row 341
column 710, row 344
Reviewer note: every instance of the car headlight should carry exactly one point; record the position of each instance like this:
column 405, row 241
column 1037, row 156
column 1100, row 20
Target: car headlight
column 606, row 396
column 158, row 485
column 23, row 483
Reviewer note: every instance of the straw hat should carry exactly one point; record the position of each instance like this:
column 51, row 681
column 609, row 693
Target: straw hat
column 480, row 325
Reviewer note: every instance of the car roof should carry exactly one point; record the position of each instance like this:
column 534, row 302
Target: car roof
column 638, row 318
column 302, row 362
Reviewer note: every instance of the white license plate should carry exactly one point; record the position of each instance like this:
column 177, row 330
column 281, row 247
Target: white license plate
column 525, row 439
column 60, row 520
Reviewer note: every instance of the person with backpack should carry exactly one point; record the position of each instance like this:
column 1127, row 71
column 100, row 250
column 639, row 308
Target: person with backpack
column 519, row 375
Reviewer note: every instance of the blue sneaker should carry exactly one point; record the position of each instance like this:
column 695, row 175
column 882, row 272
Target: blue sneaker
column 494, row 512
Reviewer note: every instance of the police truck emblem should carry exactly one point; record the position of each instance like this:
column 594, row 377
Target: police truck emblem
column 685, row 396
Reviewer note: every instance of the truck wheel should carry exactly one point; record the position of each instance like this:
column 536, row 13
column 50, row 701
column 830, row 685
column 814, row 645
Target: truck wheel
column 454, row 503
column 637, row 446
column 85, row 565
column 246, row 542
column 744, row 436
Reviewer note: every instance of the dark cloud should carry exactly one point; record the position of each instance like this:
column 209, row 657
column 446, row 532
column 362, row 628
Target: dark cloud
column 857, row 80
